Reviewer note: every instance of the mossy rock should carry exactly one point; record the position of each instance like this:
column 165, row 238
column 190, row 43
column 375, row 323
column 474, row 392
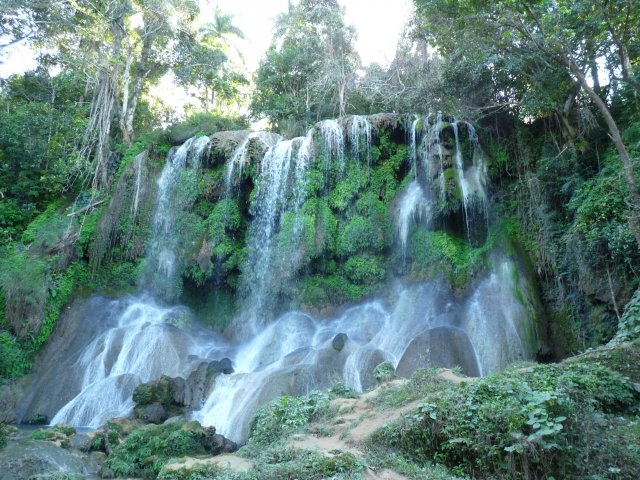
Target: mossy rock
column 384, row 372
column 147, row 449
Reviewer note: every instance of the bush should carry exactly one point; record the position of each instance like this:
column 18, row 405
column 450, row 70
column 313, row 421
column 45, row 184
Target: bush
column 629, row 325
column 147, row 449
column 284, row 416
column 4, row 433
column 14, row 361
column 364, row 270
column 536, row 421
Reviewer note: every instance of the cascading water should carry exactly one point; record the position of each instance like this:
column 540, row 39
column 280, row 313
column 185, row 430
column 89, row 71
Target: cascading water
column 163, row 258
column 413, row 207
column 360, row 137
column 141, row 157
column 333, row 143
column 280, row 190
column 117, row 344
column 470, row 180
column 140, row 347
column 413, row 151
column 462, row 180
column 238, row 159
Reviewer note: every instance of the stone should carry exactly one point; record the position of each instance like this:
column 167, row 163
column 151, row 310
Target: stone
column 153, row 413
column 31, row 459
column 80, row 441
column 367, row 361
column 446, row 347
column 222, row 366
column 338, row 341
column 216, row 443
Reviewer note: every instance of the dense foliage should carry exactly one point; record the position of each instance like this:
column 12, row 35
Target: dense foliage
column 553, row 88
column 526, row 422
column 309, row 67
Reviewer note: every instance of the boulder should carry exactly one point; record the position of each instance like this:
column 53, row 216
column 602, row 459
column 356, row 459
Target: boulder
column 361, row 366
column 152, row 413
column 216, row 444
column 338, row 341
column 80, row 441
column 296, row 356
column 170, row 396
column 28, row 459
column 444, row 346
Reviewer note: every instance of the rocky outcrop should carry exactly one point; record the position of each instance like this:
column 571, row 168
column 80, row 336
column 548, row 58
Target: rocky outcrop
column 166, row 397
column 26, row 459
column 439, row 347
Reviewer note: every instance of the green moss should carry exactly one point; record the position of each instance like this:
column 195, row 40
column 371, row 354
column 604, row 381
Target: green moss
column 63, row 285
column 365, row 270
column 384, row 372
column 434, row 252
column 147, row 449
column 284, row 416
column 45, row 229
column 14, row 360
column 357, row 235
column 629, row 325
column 4, row 433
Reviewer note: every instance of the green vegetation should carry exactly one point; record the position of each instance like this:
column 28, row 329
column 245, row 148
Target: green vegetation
column 82, row 141
column 540, row 420
column 59, row 434
column 147, row 449
column 274, row 465
column 283, row 416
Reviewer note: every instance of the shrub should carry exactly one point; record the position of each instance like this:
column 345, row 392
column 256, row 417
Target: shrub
column 285, row 415
column 147, row 449
column 518, row 423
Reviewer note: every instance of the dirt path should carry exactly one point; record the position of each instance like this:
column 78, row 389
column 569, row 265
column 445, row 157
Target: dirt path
column 354, row 420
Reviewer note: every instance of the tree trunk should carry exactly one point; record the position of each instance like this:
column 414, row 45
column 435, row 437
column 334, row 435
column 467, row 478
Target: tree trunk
column 126, row 83
column 614, row 133
column 129, row 110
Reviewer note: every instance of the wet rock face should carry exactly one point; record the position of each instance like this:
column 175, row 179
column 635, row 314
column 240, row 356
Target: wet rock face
column 338, row 341
column 153, row 413
column 439, row 347
column 166, row 397
column 27, row 459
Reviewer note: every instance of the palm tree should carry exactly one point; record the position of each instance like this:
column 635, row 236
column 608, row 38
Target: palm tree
column 220, row 29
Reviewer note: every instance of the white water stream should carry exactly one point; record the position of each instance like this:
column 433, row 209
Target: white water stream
column 118, row 344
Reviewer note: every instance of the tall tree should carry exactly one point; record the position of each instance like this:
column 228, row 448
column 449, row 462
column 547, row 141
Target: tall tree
column 309, row 66
column 123, row 47
column 560, row 36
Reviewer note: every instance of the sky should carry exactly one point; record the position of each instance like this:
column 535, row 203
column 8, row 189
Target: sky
column 378, row 23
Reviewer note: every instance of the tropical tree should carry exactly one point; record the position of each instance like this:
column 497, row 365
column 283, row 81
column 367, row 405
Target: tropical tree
column 122, row 47
column 309, row 66
column 552, row 39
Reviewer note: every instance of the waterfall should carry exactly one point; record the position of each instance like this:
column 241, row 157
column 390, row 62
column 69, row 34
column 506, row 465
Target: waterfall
column 117, row 344
column 413, row 206
column 141, row 157
column 162, row 259
column 462, row 180
column 239, row 157
column 360, row 137
column 413, row 153
column 333, row 143
column 135, row 343
column 281, row 188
